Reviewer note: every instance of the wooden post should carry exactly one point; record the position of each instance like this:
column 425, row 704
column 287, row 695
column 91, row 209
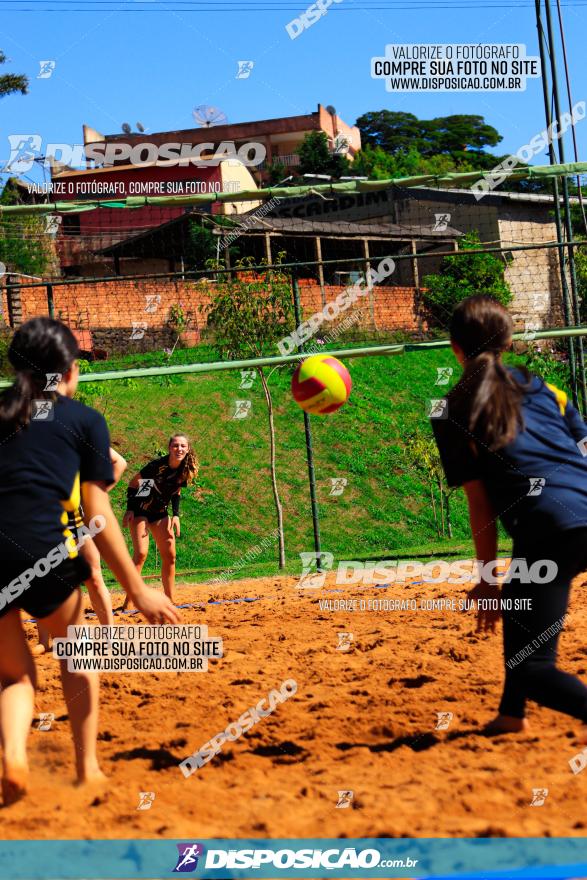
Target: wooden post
column 318, row 246
column 415, row 271
column 366, row 255
column 268, row 248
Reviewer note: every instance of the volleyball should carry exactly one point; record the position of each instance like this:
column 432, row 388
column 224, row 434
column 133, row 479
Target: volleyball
column 321, row 384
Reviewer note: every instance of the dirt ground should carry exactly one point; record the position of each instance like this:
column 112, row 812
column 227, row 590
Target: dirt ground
column 362, row 720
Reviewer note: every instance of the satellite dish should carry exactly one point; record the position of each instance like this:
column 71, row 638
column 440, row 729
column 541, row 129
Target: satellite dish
column 140, row 127
column 330, row 109
column 126, row 128
column 207, row 116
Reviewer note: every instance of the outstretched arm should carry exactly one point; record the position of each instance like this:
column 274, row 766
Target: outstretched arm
column 119, row 466
column 484, row 531
column 112, row 547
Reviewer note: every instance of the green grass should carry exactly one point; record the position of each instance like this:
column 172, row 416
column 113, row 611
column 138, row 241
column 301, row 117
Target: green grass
column 385, row 510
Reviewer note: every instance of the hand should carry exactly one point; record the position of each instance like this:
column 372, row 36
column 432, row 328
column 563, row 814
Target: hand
column 486, row 618
column 175, row 526
column 156, row 607
column 127, row 519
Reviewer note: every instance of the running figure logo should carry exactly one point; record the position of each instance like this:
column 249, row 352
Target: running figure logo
column 187, row 861
column 438, row 409
column 441, row 222
column 344, row 641
column 345, row 799
column 53, row 380
column 444, row 719
column 47, row 68
column 144, row 488
column 311, row 578
column 138, row 329
column 42, row 411
column 539, row 795
column 241, row 409
column 537, row 484
column 46, row 719
column 24, row 149
column 444, row 374
column 245, row 68
column 146, row 799
column 339, row 484
column 247, row 378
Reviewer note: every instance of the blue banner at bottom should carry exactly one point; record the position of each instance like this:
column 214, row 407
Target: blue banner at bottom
column 420, row 859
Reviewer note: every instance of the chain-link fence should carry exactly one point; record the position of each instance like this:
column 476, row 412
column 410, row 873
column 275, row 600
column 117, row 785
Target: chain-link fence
column 326, row 274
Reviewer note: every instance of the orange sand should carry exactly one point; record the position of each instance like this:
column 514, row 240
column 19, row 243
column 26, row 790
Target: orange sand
column 362, row 720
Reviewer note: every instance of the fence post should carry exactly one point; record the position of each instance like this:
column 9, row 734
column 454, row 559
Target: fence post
column 576, row 310
column 567, row 309
column 309, row 446
column 50, row 301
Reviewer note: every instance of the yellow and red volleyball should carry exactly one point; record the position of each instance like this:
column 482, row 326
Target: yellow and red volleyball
column 321, row 384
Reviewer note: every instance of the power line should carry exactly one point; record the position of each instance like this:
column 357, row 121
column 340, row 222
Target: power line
column 198, row 6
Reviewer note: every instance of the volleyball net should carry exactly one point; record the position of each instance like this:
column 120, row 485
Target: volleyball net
column 193, row 319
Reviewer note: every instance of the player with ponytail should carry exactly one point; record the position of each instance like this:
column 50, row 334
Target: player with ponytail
column 54, row 455
column 515, row 443
column 150, row 492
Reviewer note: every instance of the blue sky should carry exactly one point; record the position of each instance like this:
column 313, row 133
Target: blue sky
column 154, row 65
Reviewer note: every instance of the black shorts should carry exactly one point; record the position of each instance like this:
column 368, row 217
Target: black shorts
column 45, row 593
column 152, row 515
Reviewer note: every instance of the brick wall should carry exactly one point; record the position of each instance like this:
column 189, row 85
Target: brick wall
column 111, row 316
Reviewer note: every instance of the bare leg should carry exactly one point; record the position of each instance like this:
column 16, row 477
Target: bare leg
column 44, row 641
column 97, row 589
column 165, row 540
column 17, row 704
column 80, row 690
column 140, row 543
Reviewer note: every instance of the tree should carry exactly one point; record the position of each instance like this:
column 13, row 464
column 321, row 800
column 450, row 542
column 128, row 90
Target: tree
column 464, row 275
column 376, row 164
column 25, row 246
column 249, row 317
column 421, row 454
column 316, row 157
column 12, row 82
column 462, row 136
column 200, row 246
column 277, row 172
column 581, row 270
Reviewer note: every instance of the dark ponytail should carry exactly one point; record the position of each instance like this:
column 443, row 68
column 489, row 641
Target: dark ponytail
column 39, row 347
column 488, row 399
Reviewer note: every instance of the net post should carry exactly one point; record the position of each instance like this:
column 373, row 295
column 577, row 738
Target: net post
column 308, row 431
column 557, row 211
column 50, row 301
column 566, row 209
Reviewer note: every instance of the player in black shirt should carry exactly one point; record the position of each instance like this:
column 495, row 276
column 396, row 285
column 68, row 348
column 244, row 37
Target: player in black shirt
column 149, row 494
column 517, row 447
column 54, row 454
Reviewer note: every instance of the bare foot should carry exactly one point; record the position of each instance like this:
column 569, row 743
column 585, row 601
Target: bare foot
column 39, row 649
column 95, row 777
column 14, row 784
column 507, row 724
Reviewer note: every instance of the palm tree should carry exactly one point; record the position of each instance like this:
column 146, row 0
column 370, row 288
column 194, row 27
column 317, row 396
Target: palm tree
column 12, row 82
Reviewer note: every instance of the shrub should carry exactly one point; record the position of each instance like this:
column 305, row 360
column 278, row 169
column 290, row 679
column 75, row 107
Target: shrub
column 462, row 276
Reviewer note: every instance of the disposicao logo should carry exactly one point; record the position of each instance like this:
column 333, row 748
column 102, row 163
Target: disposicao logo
column 187, row 860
